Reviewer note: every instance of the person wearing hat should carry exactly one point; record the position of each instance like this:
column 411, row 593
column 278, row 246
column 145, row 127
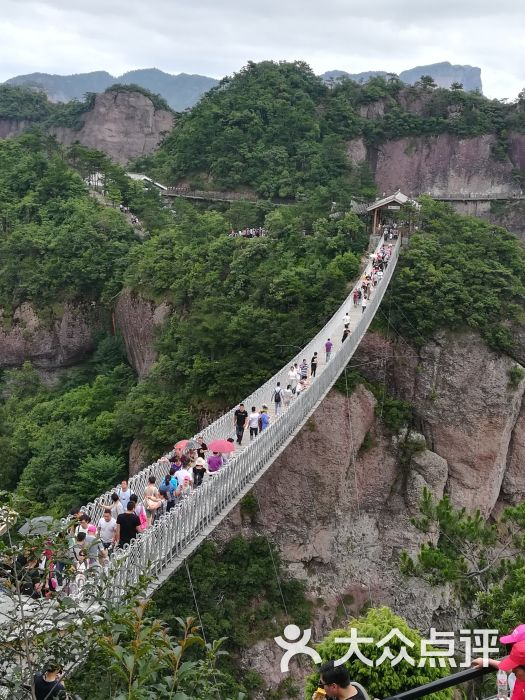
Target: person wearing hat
column 514, row 662
column 199, row 470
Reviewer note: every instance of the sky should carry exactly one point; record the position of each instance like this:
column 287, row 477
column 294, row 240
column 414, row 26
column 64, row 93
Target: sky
column 218, row 37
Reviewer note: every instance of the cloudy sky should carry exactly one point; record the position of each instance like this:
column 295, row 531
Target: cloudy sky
column 217, row 37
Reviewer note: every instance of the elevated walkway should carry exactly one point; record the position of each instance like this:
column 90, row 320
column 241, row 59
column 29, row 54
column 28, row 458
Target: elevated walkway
column 162, row 548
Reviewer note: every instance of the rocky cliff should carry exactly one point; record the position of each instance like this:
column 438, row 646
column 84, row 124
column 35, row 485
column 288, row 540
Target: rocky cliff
column 138, row 320
column 124, row 125
column 61, row 339
column 442, row 164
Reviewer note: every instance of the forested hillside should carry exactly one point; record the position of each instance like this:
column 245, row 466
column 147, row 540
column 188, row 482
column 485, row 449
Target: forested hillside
column 279, row 129
column 237, row 306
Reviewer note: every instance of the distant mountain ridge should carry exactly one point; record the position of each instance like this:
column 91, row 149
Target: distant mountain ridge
column 183, row 90
column 180, row 91
column 444, row 75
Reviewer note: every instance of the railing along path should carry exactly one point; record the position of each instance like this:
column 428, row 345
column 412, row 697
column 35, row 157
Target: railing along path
column 165, row 545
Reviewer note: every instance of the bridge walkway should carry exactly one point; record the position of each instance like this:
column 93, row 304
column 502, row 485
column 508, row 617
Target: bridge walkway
column 162, row 548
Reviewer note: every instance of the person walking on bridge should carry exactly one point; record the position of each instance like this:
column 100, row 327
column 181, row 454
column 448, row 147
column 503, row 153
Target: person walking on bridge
column 313, row 365
column 240, row 421
column 278, row 398
column 328, row 349
column 364, row 303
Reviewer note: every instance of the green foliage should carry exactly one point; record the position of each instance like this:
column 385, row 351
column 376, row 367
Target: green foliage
column 388, row 680
column 516, row 376
column 62, row 445
column 238, row 591
column 459, row 271
column 269, row 116
column 57, row 242
column 23, row 103
column 232, row 299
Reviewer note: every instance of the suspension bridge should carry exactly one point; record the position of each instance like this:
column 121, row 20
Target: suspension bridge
column 163, row 547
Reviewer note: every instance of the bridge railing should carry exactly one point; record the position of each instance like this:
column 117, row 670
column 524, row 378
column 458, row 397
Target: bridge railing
column 163, row 543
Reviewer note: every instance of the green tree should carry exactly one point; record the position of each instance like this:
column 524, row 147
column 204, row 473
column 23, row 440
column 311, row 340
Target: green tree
column 376, row 625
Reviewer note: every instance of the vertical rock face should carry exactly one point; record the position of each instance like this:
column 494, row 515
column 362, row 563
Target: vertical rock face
column 124, row 125
column 51, row 344
column 468, row 408
column 443, row 164
column 138, row 320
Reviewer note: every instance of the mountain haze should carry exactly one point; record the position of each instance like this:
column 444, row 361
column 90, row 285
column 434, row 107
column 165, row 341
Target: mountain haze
column 182, row 91
column 443, row 73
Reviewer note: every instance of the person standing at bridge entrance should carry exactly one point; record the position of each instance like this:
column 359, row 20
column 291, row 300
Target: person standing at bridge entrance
column 240, row 421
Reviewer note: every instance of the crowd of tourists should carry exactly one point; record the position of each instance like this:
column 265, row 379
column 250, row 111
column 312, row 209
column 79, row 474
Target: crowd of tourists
column 257, row 232
column 191, row 462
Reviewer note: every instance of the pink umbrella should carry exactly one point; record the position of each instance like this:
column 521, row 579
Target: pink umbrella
column 181, row 444
column 221, row 446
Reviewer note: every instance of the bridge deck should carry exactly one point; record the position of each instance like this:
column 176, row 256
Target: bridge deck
column 164, row 546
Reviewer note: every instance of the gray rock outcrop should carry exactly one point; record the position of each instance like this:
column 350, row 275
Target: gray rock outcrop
column 49, row 344
column 138, row 320
column 124, row 125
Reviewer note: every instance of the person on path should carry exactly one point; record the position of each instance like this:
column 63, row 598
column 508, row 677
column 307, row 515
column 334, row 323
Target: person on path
column 313, row 364
column 278, row 398
column 292, row 378
column 140, row 511
column 115, row 506
column 516, row 682
column 264, row 418
column 199, row 470
column 355, row 297
column 328, row 349
column 346, row 333
column 240, row 421
column 128, row 526
column 364, row 303
column 346, row 318
column 107, row 526
column 152, row 500
column 214, row 463
column 303, row 370
column 124, row 493
column 287, row 396
column 167, row 491
column 253, row 422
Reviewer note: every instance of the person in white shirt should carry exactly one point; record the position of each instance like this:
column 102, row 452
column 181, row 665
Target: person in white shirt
column 346, row 318
column 287, row 396
column 124, row 493
column 364, row 302
column 292, row 378
column 253, row 418
column 107, row 526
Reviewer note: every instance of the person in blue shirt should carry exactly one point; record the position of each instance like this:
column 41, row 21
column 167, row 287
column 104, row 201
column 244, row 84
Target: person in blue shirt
column 264, row 418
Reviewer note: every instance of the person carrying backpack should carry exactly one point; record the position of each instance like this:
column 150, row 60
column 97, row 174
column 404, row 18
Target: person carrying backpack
column 278, row 398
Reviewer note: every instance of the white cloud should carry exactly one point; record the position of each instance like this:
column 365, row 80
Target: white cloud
column 217, row 38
